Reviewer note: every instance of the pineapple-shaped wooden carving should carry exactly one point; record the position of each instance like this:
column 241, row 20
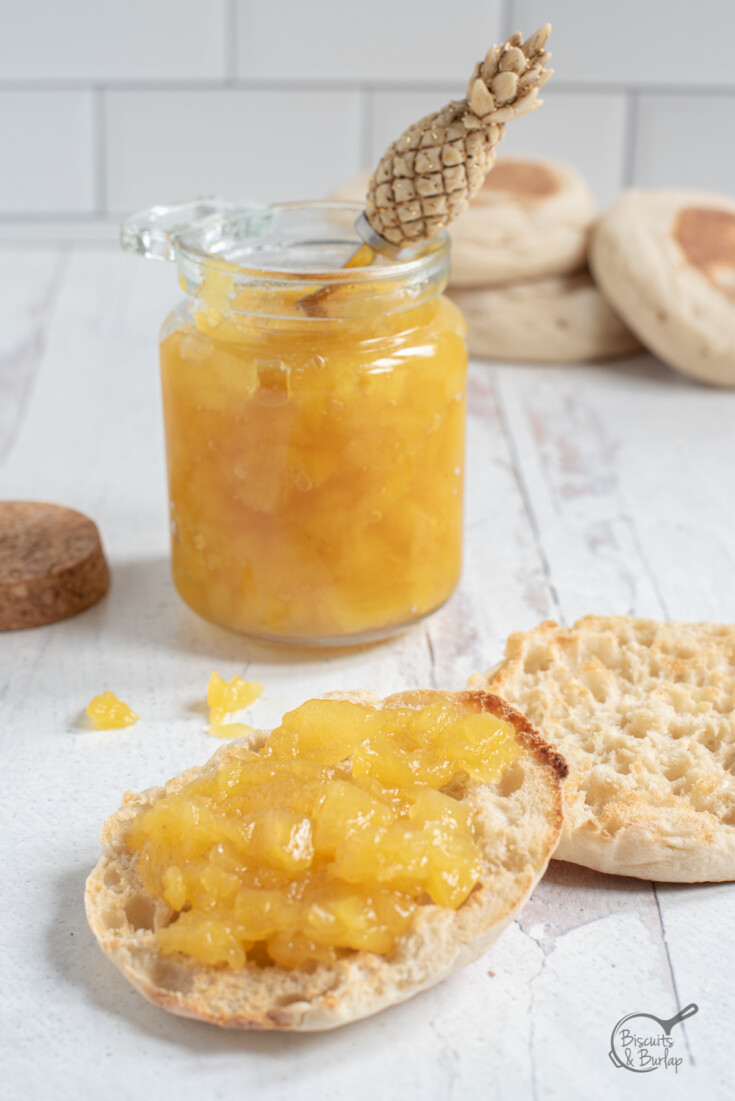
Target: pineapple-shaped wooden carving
column 426, row 178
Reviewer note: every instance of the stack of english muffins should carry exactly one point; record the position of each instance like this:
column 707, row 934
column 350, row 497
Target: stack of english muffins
column 661, row 271
column 519, row 267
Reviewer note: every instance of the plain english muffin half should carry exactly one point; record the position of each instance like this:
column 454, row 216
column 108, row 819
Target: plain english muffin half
column 560, row 319
column 666, row 261
column 517, row 822
column 531, row 218
column 644, row 713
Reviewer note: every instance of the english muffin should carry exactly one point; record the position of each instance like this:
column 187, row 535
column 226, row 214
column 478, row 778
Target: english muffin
column 561, row 319
column 644, row 713
column 666, row 262
column 515, row 824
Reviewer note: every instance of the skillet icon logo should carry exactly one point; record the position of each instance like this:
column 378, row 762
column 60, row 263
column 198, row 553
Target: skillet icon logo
column 641, row 1042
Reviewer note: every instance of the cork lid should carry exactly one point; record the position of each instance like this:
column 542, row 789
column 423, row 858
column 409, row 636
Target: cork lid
column 52, row 565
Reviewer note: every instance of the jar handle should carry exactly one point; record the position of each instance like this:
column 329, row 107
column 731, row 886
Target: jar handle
column 152, row 233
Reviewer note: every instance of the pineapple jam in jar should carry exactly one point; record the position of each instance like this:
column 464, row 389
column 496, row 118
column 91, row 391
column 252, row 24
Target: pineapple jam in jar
column 315, row 423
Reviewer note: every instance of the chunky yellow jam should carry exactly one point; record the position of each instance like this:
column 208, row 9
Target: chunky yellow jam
column 327, row 839
column 224, row 697
column 230, row 730
column 107, row 712
column 315, row 465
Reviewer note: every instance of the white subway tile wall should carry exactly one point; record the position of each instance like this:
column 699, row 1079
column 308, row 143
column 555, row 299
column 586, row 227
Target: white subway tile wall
column 265, row 145
column 638, row 42
column 588, row 130
column 47, row 140
column 686, row 141
column 107, row 105
column 383, row 40
column 113, row 40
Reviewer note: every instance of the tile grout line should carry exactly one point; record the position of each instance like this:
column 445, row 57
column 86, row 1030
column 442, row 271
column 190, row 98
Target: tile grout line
column 71, row 217
column 70, row 244
column 100, row 153
column 630, row 138
column 305, row 84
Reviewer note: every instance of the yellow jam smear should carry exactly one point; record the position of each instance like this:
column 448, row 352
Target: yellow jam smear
column 107, row 712
column 230, row 730
column 325, row 840
column 315, row 466
column 224, row 697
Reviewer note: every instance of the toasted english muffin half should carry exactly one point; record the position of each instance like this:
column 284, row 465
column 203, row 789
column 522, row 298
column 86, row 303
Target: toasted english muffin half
column 644, row 713
column 517, row 822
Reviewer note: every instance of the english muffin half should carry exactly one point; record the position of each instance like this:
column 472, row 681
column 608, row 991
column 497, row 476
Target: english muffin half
column 531, row 219
column 561, row 319
column 515, row 821
column 666, row 262
column 644, row 713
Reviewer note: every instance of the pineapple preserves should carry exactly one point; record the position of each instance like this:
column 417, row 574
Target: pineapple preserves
column 315, row 444
column 327, row 839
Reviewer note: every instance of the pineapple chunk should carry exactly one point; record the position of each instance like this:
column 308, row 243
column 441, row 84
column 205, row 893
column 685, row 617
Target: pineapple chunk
column 327, row 731
column 282, row 840
column 209, row 940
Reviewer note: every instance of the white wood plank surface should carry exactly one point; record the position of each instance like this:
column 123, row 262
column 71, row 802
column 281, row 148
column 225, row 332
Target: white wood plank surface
column 29, row 283
column 603, row 489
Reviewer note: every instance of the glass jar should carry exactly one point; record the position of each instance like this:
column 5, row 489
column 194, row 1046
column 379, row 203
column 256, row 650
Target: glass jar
column 315, row 419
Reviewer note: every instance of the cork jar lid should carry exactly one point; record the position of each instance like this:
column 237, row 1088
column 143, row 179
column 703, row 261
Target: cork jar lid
column 52, row 565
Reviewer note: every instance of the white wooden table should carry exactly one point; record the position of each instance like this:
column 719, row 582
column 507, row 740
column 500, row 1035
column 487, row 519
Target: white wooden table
column 591, row 489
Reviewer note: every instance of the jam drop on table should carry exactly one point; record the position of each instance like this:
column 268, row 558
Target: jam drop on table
column 224, row 697
column 107, row 712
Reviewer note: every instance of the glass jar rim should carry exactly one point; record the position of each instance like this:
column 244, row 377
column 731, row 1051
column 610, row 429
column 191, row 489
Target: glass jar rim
column 197, row 246
column 254, row 258
column 282, row 258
